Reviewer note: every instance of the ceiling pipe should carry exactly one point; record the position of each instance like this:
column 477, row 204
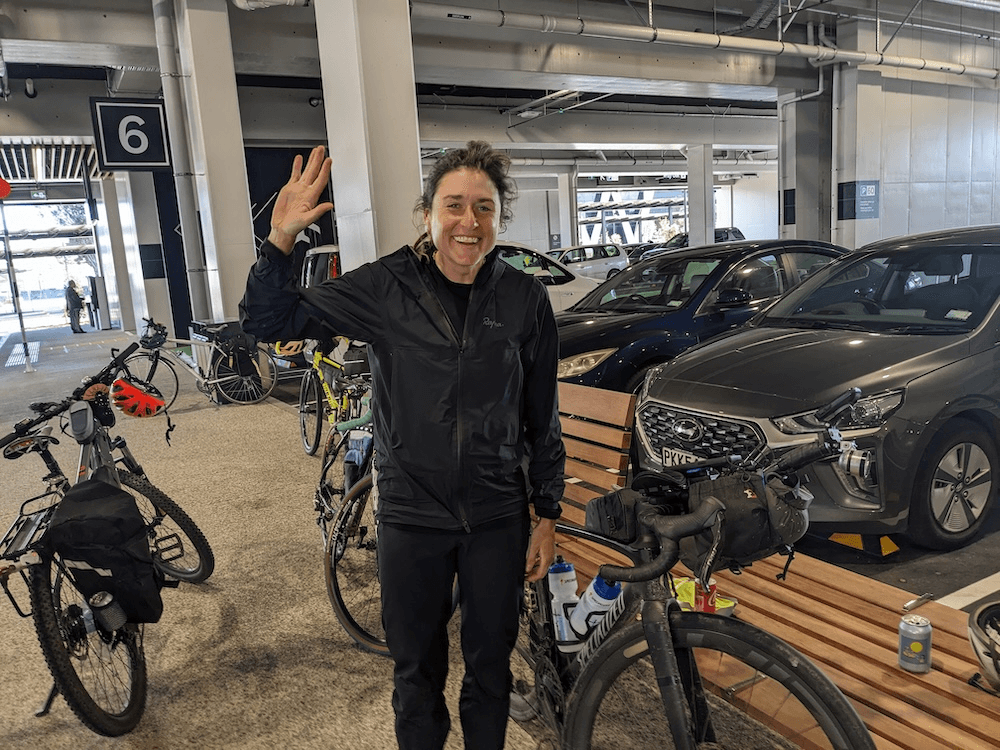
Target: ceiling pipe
column 626, row 33
column 261, row 4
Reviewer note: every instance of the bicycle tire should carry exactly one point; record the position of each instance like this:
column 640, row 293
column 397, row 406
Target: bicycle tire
column 616, row 694
column 238, row 385
column 172, row 531
column 158, row 371
column 312, row 411
column 102, row 677
column 330, row 490
column 351, row 568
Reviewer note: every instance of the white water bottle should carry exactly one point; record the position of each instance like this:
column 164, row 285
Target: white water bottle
column 595, row 602
column 562, row 587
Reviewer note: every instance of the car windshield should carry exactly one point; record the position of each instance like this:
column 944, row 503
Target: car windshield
column 533, row 265
column 943, row 290
column 659, row 284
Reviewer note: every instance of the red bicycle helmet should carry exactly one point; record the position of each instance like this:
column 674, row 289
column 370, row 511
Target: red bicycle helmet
column 137, row 400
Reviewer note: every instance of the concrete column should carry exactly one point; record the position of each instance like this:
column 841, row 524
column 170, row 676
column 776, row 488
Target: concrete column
column 218, row 157
column 566, row 182
column 371, row 120
column 701, row 195
column 805, row 162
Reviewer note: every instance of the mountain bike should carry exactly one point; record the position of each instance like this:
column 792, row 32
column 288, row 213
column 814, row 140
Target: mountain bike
column 97, row 660
column 236, row 370
column 329, row 392
column 650, row 674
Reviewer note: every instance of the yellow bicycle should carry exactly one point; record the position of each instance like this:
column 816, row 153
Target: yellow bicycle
column 330, row 390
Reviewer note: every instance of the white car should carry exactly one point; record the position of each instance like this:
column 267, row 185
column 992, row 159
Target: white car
column 565, row 287
column 596, row 261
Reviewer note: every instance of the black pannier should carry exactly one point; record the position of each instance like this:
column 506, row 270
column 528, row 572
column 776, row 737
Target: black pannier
column 100, row 536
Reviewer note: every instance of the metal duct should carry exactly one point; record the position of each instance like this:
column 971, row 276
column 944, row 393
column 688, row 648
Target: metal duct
column 261, row 4
column 650, row 35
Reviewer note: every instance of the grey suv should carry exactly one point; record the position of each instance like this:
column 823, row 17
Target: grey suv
column 912, row 321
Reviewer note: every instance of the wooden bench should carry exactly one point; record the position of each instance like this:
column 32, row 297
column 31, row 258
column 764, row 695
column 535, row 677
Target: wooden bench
column 597, row 433
column 844, row 622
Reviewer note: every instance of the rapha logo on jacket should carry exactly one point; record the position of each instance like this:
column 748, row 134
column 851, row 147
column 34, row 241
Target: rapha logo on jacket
column 490, row 323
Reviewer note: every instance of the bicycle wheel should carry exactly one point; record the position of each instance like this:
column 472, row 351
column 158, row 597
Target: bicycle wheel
column 244, row 377
column 761, row 692
column 312, row 412
column 101, row 675
column 180, row 550
column 158, row 371
column 351, row 565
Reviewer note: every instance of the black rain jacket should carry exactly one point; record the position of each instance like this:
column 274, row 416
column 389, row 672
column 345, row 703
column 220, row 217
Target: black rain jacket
column 466, row 424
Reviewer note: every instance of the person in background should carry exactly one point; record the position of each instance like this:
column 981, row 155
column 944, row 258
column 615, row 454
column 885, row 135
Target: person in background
column 464, row 351
column 74, row 306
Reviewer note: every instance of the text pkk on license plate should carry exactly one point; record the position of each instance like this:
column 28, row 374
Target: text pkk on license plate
column 674, row 457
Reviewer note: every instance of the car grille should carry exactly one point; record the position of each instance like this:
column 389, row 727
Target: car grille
column 704, row 436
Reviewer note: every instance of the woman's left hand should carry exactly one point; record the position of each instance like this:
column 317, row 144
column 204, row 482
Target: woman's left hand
column 541, row 550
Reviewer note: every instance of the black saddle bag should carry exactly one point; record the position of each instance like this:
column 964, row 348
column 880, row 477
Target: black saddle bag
column 100, row 536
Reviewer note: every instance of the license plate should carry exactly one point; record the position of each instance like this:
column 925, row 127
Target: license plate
column 674, row 457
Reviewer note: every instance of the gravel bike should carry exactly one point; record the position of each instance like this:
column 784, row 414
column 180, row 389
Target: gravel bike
column 97, row 664
column 653, row 675
column 237, row 371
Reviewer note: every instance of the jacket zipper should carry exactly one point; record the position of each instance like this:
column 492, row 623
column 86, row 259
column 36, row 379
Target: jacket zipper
column 460, row 421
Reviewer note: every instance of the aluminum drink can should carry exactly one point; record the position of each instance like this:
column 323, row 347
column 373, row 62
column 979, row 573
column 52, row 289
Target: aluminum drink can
column 704, row 600
column 915, row 643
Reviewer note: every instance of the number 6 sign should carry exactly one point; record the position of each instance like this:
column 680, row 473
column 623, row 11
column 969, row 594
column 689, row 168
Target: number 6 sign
column 131, row 134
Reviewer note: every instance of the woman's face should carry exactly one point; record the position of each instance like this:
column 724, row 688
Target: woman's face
column 463, row 222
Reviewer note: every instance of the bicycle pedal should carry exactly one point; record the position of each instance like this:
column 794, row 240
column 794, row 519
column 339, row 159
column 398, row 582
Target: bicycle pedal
column 169, row 547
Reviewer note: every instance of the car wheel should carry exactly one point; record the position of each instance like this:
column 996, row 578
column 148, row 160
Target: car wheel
column 956, row 486
column 635, row 382
column 613, row 271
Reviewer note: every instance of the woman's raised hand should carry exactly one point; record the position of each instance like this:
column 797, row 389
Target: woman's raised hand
column 295, row 207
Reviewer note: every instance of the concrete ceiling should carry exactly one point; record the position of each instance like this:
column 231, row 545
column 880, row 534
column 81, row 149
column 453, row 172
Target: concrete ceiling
column 545, row 94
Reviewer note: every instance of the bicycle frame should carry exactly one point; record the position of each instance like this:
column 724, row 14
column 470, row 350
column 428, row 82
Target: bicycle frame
column 652, row 600
column 191, row 368
column 338, row 403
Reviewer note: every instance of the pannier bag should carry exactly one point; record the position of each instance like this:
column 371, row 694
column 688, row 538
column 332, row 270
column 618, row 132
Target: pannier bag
column 760, row 520
column 100, row 536
column 614, row 515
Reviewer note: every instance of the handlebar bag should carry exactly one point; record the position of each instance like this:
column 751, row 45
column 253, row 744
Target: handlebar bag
column 101, row 539
column 615, row 515
column 761, row 519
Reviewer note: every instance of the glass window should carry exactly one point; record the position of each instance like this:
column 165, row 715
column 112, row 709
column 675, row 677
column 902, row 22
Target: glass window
column 760, row 276
column 803, row 264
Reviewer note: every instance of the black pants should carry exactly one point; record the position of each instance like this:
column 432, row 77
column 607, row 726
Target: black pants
column 417, row 571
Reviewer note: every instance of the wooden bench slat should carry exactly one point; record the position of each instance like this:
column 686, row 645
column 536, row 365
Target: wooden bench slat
column 591, row 432
column 605, row 458
column 597, row 404
column 606, row 480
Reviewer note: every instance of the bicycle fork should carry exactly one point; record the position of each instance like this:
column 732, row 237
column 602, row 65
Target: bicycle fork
column 676, row 676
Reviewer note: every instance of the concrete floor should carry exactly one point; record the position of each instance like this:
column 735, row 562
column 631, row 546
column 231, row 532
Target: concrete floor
column 252, row 658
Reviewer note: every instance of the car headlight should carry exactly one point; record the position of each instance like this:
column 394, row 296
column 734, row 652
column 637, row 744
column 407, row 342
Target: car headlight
column 581, row 363
column 868, row 413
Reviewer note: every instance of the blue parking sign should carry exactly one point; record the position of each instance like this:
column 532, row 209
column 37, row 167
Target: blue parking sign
column 131, row 134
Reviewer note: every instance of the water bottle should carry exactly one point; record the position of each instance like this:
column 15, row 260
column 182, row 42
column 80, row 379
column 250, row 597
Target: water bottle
column 595, row 602
column 562, row 586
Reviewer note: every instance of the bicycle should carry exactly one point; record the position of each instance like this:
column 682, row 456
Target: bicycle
column 658, row 676
column 238, row 372
column 326, row 394
column 97, row 663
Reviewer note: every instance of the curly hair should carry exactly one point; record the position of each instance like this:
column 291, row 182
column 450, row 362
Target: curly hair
column 475, row 155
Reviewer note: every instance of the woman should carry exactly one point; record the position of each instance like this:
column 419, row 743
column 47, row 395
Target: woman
column 464, row 353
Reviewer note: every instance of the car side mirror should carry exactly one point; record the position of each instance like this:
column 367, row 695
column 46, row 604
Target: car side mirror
column 732, row 298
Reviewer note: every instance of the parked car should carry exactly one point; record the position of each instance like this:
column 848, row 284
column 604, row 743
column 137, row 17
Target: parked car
column 565, row 287
column 914, row 323
column 678, row 241
column 595, row 261
column 656, row 309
